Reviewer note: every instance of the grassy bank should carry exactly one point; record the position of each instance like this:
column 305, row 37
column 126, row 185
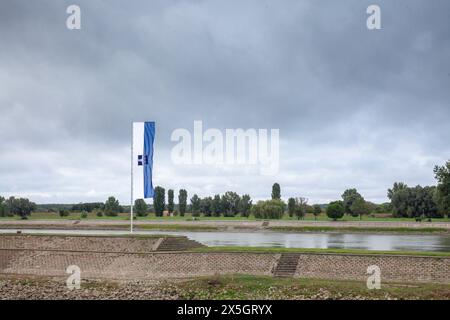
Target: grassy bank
column 259, row 287
column 322, row 251
column 358, row 229
column 189, row 217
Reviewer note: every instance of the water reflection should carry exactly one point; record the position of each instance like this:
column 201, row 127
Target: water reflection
column 391, row 242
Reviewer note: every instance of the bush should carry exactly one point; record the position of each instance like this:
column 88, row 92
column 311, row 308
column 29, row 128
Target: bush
column 84, row 214
column 335, row 210
column 270, row 209
column 112, row 207
column 99, row 213
column 141, row 208
column 63, row 213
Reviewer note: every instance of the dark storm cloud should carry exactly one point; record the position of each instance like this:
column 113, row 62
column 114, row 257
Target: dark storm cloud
column 354, row 107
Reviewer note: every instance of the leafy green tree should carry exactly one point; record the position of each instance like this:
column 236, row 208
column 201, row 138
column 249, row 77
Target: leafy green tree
column 230, row 203
column 141, row 207
column 300, row 207
column 398, row 186
column 182, row 201
column 206, row 206
column 360, row 207
column 418, row 202
column 63, row 213
column 335, row 210
column 112, row 207
column 400, row 202
column 159, row 201
column 216, row 206
column 291, row 207
column 442, row 175
column 349, row 196
column 170, row 203
column 317, row 210
column 270, row 209
column 245, row 205
column 276, row 192
column 21, row 207
column 195, row 206
column 3, row 207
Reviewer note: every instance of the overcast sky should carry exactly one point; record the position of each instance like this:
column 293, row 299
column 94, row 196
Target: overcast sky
column 355, row 108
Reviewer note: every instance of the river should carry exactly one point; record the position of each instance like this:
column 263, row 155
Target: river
column 385, row 242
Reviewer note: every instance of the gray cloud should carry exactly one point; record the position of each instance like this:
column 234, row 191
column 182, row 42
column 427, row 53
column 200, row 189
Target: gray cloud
column 354, row 107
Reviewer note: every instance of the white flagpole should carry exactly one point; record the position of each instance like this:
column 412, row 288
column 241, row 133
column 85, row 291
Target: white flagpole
column 131, row 204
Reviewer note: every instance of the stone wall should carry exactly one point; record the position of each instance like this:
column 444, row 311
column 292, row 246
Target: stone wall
column 392, row 267
column 129, row 259
column 79, row 243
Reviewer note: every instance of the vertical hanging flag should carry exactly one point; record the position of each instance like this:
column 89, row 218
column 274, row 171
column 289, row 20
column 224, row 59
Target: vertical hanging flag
column 143, row 139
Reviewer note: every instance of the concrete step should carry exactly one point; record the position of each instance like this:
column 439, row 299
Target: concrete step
column 178, row 244
column 287, row 265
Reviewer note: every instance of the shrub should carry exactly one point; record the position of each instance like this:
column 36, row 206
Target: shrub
column 63, row 213
column 141, row 208
column 335, row 210
column 84, row 214
column 270, row 209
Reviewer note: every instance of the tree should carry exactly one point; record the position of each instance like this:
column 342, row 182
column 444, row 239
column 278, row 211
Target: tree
column 159, row 201
column 417, row 202
column 21, row 207
column 230, row 203
column 442, row 175
column 317, row 210
column 291, row 207
column 276, row 192
column 182, row 201
column 216, row 206
column 195, row 206
column 398, row 186
column 3, row 207
column 270, row 209
column 360, row 207
column 206, row 206
column 170, row 203
column 140, row 207
column 335, row 210
column 349, row 196
column 245, row 205
column 300, row 207
column 63, row 213
column 112, row 207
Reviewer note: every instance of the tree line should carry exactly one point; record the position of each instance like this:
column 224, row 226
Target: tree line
column 413, row 202
column 21, row 207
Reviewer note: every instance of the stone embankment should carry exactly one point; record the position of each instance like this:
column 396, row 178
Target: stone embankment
column 130, row 259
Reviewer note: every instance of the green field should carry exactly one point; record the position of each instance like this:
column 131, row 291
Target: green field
column 188, row 217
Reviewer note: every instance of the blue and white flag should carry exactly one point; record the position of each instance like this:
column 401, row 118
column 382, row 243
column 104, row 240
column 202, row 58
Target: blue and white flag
column 143, row 139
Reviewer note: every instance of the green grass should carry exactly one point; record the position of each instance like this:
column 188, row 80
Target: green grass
column 175, row 227
column 321, row 251
column 188, row 217
column 358, row 229
column 264, row 287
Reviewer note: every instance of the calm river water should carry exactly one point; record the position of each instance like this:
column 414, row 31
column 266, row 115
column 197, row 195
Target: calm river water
column 388, row 242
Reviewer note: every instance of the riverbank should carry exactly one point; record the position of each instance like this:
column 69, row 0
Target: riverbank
column 216, row 287
column 405, row 227
column 145, row 259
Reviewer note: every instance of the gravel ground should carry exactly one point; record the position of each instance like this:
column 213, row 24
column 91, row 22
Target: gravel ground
column 50, row 289
column 21, row 287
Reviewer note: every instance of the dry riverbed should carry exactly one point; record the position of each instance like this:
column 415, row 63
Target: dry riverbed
column 217, row 287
